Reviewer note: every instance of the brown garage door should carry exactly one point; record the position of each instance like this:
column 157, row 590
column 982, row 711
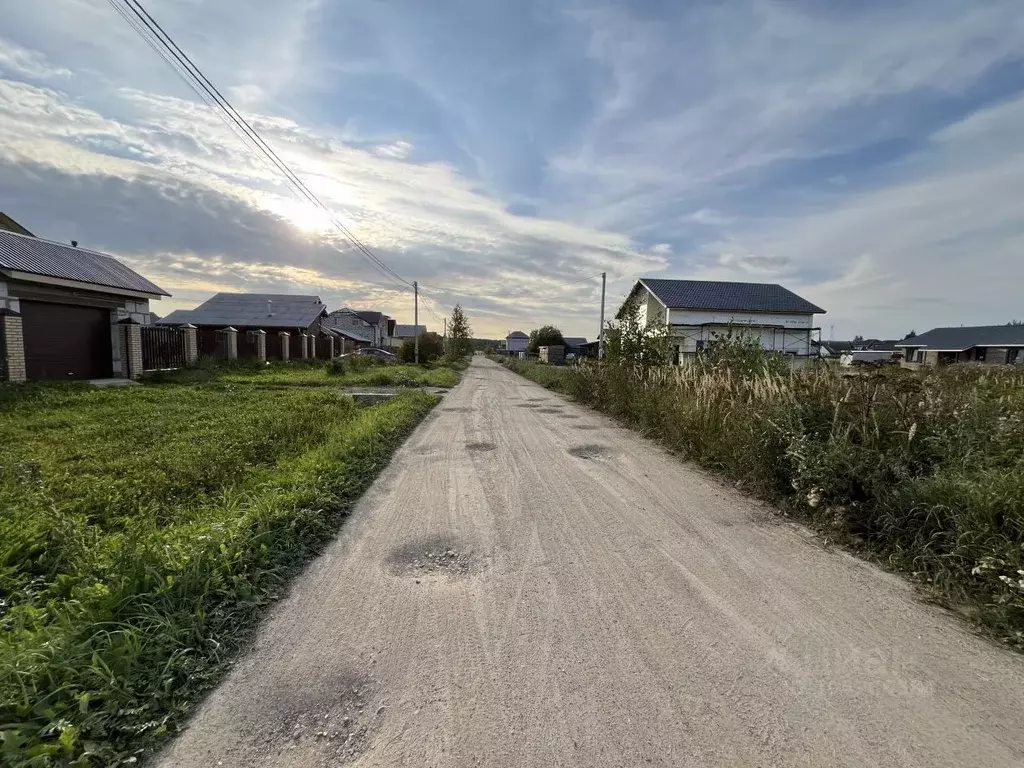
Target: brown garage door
column 63, row 341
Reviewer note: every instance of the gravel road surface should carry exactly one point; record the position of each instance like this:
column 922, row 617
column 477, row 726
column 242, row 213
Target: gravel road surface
column 528, row 584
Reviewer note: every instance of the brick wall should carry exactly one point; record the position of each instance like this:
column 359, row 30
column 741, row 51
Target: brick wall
column 13, row 345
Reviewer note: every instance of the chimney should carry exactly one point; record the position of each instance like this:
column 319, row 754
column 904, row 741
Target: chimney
column 270, row 308
column 74, row 243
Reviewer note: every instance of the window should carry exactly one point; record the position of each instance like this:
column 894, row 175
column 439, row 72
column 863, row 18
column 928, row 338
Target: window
column 979, row 354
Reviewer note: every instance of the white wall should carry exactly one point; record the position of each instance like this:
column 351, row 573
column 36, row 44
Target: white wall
column 6, row 300
column 699, row 317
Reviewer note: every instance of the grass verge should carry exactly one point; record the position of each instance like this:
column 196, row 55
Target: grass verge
column 144, row 532
column 920, row 470
column 311, row 374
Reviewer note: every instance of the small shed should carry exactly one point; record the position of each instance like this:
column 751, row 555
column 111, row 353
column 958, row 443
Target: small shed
column 554, row 354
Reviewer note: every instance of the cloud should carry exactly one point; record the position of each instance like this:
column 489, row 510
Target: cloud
column 866, row 154
column 18, row 61
column 174, row 180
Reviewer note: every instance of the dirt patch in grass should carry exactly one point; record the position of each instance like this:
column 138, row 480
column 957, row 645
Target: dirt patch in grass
column 590, row 451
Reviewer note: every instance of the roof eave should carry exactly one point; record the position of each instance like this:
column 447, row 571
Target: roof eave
column 34, row 277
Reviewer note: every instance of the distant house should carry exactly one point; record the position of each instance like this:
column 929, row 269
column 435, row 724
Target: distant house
column 698, row 311
column 62, row 310
column 295, row 317
column 574, row 345
column 404, row 332
column 515, row 343
column 986, row 344
column 376, row 325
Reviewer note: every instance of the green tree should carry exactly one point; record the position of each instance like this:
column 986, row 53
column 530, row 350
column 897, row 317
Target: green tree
column 633, row 344
column 545, row 336
column 431, row 348
column 460, row 335
column 911, row 335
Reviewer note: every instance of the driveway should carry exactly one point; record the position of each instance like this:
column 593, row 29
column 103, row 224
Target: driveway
column 529, row 585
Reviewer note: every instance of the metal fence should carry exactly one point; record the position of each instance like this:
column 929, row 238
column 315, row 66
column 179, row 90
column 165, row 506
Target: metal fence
column 162, row 347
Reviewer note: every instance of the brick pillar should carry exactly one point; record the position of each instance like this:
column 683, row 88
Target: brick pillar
column 12, row 343
column 191, row 343
column 260, row 337
column 227, row 343
column 131, row 348
column 285, row 336
column 304, row 346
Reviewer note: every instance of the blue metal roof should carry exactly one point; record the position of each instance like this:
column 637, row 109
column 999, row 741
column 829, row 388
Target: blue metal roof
column 23, row 253
column 721, row 295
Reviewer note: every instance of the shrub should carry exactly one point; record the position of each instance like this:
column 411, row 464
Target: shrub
column 431, row 348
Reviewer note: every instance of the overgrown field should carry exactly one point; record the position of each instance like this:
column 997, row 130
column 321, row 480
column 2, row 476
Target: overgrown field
column 143, row 531
column 359, row 373
column 924, row 470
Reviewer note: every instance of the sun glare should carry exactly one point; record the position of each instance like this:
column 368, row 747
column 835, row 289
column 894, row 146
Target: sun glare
column 305, row 217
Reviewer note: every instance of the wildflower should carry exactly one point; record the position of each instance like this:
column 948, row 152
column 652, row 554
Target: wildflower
column 814, row 498
column 913, row 431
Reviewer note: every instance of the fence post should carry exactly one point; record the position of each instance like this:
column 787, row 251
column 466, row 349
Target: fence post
column 285, row 336
column 12, row 366
column 191, row 343
column 227, row 343
column 260, row 337
column 131, row 348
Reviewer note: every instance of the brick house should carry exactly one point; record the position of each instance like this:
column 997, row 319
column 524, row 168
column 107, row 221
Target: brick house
column 64, row 311
column 984, row 344
column 377, row 327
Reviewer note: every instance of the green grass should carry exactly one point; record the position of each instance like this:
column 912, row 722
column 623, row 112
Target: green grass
column 144, row 531
column 923, row 471
column 315, row 374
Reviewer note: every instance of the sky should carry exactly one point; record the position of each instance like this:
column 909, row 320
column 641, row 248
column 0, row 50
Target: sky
column 867, row 155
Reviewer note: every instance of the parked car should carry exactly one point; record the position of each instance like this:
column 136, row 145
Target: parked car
column 380, row 354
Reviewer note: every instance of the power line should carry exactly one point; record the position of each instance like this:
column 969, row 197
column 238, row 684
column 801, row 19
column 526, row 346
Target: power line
column 162, row 43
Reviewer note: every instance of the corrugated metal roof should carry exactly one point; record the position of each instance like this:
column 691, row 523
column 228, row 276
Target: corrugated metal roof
column 721, row 295
column 50, row 259
column 517, row 335
column 351, row 333
column 959, row 339
column 251, row 310
column 409, row 331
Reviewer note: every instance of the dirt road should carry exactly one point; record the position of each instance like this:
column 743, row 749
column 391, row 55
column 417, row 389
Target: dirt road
column 529, row 585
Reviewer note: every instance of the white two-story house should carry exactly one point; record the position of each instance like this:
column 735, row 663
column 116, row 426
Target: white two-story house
column 697, row 311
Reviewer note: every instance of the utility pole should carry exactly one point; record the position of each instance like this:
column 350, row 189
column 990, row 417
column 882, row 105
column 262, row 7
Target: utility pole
column 600, row 336
column 416, row 319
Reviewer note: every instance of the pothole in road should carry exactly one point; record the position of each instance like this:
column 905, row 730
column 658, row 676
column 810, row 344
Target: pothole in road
column 433, row 556
column 480, row 447
column 549, row 409
column 569, row 416
column 589, row 451
column 334, row 719
column 528, row 405
column 585, row 426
